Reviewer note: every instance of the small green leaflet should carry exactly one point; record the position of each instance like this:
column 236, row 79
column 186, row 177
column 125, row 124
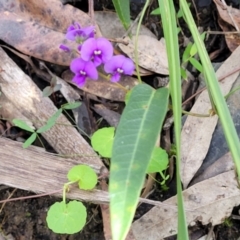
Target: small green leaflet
column 30, row 140
column 71, row 105
column 102, row 141
column 23, row 125
column 67, row 218
column 84, row 175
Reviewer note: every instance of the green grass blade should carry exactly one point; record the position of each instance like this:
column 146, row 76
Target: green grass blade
column 134, row 142
column 122, row 8
column 171, row 39
column 214, row 90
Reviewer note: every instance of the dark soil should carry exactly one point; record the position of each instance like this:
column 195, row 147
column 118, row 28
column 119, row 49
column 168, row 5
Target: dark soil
column 26, row 219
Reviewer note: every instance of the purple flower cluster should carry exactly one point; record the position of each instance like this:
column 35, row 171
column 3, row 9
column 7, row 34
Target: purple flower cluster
column 94, row 52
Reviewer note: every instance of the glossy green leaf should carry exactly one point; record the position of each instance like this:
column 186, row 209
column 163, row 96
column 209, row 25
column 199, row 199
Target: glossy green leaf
column 67, row 218
column 84, row 175
column 23, row 125
column 30, row 140
column 122, row 8
column 71, row 105
column 159, row 161
column 102, row 141
column 134, row 142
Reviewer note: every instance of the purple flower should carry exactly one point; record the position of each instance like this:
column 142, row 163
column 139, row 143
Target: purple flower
column 119, row 65
column 78, row 34
column 98, row 50
column 64, row 48
column 82, row 70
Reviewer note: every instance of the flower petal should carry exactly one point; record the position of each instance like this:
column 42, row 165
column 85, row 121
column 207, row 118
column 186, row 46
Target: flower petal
column 88, row 32
column 64, row 48
column 91, row 70
column 115, row 77
column 114, row 63
column 88, row 48
column 128, row 66
column 106, row 48
column 77, row 65
column 79, row 80
column 97, row 61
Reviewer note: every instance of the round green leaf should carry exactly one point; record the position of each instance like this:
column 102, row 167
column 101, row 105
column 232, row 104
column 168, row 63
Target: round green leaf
column 159, row 161
column 84, row 175
column 102, row 141
column 67, row 218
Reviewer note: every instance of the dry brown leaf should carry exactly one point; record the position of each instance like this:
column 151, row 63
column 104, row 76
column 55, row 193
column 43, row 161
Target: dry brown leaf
column 152, row 53
column 111, row 26
column 197, row 132
column 37, row 28
column 223, row 164
column 105, row 89
column 210, row 201
column 228, row 17
column 232, row 40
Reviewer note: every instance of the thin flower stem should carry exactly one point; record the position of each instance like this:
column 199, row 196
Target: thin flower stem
column 108, row 79
column 136, row 40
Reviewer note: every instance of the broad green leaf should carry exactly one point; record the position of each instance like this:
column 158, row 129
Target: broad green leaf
column 196, row 64
column 67, row 218
column 23, row 125
column 71, row 105
column 159, row 161
column 102, row 141
column 122, row 8
column 30, row 140
column 156, row 12
column 84, row 175
column 134, row 142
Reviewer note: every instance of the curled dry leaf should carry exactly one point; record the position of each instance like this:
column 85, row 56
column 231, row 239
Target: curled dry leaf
column 229, row 20
column 210, row 201
column 105, row 89
column 37, row 28
column 152, row 54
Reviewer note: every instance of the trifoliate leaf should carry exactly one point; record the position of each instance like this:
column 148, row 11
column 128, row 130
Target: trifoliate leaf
column 159, row 161
column 102, row 141
column 84, row 175
column 67, row 218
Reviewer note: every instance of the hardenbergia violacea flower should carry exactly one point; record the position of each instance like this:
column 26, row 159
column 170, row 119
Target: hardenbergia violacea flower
column 83, row 69
column 98, row 50
column 119, row 65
